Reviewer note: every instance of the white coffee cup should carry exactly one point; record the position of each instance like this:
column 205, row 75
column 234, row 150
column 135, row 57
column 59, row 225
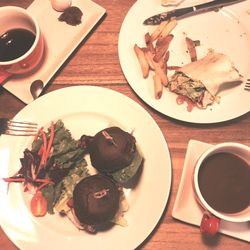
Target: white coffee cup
column 212, row 217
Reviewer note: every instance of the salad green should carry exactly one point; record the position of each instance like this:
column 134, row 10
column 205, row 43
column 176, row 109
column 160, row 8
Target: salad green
column 65, row 166
column 124, row 175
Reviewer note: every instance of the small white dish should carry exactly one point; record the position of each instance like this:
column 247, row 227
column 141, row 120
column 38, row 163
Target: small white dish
column 188, row 210
column 61, row 40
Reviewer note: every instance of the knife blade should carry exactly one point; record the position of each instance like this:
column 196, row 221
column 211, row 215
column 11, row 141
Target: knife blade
column 187, row 11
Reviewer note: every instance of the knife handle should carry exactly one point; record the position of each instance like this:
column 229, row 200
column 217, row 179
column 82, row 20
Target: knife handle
column 214, row 4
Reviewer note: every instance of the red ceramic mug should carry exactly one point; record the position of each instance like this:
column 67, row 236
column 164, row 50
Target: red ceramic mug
column 11, row 19
column 221, row 183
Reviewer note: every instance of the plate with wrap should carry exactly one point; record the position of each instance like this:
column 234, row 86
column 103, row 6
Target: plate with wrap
column 223, row 35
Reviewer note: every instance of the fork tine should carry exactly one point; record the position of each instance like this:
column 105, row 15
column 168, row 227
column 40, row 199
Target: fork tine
column 18, row 128
column 20, row 133
column 247, row 85
column 21, row 124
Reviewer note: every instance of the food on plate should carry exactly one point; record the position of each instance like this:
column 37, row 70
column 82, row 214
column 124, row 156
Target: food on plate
column 51, row 169
column 57, row 175
column 60, row 5
column 198, row 82
column 161, row 47
column 71, row 15
column 154, row 57
column 113, row 151
column 201, row 80
column 191, row 46
column 142, row 60
column 171, row 2
column 98, row 203
column 157, row 86
column 96, row 200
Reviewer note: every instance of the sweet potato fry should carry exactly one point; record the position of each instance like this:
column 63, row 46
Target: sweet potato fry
column 158, row 87
column 163, row 61
column 155, row 55
column 162, row 46
column 161, row 73
column 156, row 33
column 168, row 27
column 166, row 56
column 191, row 49
column 149, row 42
column 142, row 60
column 173, row 67
column 162, row 64
column 157, row 67
column 149, row 56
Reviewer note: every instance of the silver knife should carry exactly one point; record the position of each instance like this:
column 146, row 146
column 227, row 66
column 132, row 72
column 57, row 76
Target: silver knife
column 184, row 12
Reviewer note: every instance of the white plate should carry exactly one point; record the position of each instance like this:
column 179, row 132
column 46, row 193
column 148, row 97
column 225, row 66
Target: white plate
column 186, row 207
column 226, row 31
column 86, row 110
column 61, row 40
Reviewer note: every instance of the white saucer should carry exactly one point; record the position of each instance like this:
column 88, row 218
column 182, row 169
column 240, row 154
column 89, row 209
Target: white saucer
column 61, row 40
column 186, row 207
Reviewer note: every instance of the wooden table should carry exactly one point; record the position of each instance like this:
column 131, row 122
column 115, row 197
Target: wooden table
column 96, row 63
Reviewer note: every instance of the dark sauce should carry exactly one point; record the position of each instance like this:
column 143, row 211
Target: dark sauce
column 15, row 43
column 224, row 182
column 72, row 16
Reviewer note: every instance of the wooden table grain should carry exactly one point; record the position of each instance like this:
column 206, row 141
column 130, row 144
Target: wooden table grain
column 96, row 63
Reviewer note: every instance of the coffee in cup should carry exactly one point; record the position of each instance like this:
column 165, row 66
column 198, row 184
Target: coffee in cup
column 21, row 42
column 222, row 185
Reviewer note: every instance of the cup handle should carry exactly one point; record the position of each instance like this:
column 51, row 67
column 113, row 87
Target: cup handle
column 4, row 75
column 209, row 224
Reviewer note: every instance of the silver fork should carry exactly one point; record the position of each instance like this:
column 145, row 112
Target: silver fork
column 17, row 128
column 247, row 85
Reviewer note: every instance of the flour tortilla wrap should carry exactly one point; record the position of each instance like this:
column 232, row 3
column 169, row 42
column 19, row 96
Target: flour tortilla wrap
column 213, row 70
column 201, row 80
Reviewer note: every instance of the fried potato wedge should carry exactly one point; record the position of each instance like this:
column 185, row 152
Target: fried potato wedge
column 157, row 32
column 149, row 42
column 168, row 27
column 158, row 87
column 150, row 58
column 191, row 49
column 162, row 46
column 159, row 70
column 142, row 60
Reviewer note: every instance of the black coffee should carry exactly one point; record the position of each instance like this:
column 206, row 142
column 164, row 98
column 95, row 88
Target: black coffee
column 15, row 43
column 224, row 182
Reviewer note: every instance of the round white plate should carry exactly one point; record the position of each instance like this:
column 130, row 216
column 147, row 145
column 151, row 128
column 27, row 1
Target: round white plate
column 226, row 31
column 86, row 110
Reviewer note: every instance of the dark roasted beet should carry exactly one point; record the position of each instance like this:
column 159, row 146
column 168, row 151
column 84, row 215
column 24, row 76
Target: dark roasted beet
column 112, row 149
column 84, row 142
column 96, row 200
column 29, row 164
